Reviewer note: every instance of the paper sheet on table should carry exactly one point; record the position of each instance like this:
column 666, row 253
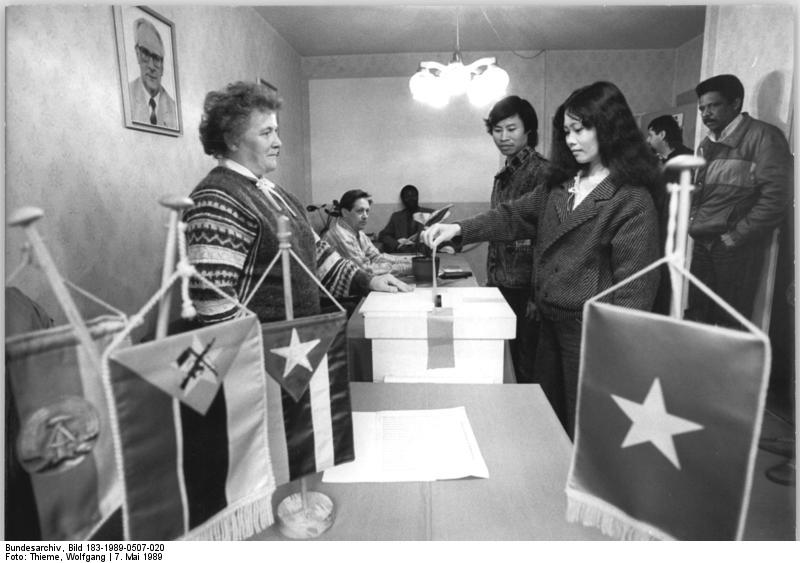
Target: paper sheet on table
column 411, row 445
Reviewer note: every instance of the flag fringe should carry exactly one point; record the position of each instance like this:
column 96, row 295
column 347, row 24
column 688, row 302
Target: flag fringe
column 238, row 522
column 610, row 524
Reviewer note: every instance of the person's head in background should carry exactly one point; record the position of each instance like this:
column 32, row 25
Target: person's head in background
column 664, row 135
column 354, row 207
column 513, row 125
column 719, row 101
column 409, row 195
column 241, row 123
column 149, row 54
column 595, row 129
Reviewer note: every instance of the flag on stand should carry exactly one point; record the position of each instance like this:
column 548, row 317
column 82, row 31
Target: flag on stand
column 191, row 424
column 309, row 395
column 669, row 414
column 63, row 441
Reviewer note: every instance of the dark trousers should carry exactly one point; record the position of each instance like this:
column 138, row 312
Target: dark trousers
column 557, row 364
column 523, row 347
column 732, row 273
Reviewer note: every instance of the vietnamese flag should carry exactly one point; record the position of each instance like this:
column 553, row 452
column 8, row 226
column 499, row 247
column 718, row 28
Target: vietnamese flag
column 668, row 418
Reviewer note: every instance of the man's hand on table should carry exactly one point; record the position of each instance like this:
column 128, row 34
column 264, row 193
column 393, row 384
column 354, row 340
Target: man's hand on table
column 389, row 284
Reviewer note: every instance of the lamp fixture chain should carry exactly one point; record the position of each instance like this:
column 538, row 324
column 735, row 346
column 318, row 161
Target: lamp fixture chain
column 486, row 16
column 458, row 41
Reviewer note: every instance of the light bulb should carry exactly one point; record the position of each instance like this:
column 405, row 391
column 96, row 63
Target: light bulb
column 427, row 88
column 487, row 87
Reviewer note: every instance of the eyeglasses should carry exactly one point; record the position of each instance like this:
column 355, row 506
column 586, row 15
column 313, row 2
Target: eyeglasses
column 146, row 56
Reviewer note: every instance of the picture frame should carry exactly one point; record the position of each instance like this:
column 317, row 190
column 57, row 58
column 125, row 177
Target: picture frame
column 263, row 82
column 148, row 70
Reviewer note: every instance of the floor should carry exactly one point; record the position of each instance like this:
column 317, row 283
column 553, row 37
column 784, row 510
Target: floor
column 773, row 507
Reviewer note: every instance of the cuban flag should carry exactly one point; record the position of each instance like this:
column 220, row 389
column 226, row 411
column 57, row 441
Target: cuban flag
column 61, row 474
column 668, row 418
column 191, row 424
column 311, row 426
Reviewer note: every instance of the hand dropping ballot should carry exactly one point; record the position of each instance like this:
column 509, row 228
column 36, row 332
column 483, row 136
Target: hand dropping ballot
column 411, row 445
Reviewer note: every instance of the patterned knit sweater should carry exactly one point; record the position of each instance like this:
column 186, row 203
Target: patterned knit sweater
column 578, row 253
column 232, row 236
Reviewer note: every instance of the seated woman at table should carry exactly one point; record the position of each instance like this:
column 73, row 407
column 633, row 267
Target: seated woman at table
column 232, row 228
column 593, row 222
column 346, row 235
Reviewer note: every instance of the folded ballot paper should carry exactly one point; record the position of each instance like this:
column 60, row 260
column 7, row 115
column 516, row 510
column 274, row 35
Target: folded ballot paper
column 411, row 445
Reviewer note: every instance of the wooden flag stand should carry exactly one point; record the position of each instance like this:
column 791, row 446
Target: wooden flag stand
column 176, row 204
column 306, row 514
column 678, row 226
column 26, row 218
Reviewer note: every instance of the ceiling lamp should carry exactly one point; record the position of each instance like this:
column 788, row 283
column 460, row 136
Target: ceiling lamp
column 483, row 81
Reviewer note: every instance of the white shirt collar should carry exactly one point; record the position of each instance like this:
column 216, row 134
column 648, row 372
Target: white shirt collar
column 148, row 95
column 266, row 186
column 728, row 129
column 236, row 167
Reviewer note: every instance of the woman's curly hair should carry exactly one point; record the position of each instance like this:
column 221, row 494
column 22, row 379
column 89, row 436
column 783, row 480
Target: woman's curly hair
column 227, row 113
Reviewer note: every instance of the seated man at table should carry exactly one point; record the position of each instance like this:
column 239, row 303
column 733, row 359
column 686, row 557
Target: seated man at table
column 346, row 235
column 400, row 234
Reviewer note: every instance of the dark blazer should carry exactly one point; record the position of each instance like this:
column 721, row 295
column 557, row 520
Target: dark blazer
column 402, row 225
column 578, row 253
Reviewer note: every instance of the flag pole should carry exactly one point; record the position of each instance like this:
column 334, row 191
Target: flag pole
column 26, row 218
column 686, row 164
column 306, row 514
column 175, row 204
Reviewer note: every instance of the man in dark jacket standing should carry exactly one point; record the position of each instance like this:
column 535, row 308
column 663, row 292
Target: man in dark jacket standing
column 741, row 196
column 514, row 127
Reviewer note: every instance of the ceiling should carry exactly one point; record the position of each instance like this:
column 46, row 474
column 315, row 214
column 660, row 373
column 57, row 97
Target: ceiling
column 358, row 30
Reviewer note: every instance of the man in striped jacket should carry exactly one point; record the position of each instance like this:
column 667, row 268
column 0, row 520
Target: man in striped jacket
column 742, row 194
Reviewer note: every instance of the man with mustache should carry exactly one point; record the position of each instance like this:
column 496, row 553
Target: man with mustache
column 150, row 103
column 514, row 127
column 742, row 194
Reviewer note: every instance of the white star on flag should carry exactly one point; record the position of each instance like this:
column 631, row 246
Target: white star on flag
column 652, row 423
column 296, row 353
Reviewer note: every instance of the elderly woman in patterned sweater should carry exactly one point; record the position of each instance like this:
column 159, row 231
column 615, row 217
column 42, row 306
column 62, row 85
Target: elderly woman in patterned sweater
column 593, row 222
column 232, row 228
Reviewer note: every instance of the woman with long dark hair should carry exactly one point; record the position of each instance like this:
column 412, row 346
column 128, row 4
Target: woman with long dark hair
column 593, row 222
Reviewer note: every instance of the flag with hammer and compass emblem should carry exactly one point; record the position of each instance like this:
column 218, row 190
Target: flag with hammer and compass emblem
column 61, row 473
column 191, row 423
column 668, row 418
column 309, row 395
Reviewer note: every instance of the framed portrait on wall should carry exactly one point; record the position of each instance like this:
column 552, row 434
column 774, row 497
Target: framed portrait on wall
column 148, row 70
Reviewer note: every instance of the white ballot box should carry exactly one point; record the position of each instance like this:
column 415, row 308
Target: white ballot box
column 460, row 342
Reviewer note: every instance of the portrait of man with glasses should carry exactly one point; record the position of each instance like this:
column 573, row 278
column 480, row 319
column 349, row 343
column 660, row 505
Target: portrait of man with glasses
column 151, row 104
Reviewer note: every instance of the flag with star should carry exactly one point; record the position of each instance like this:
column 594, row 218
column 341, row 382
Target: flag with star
column 294, row 349
column 309, row 395
column 191, row 428
column 668, row 418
